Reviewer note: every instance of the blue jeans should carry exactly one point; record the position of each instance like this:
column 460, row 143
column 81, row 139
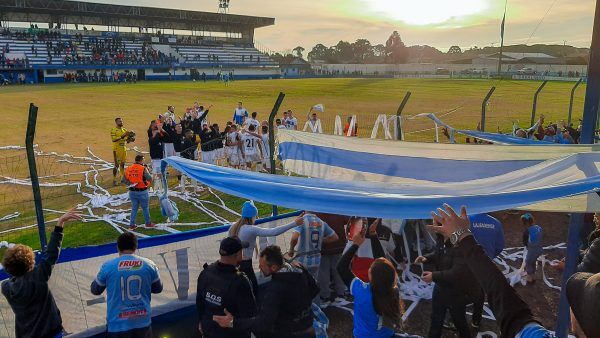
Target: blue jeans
column 139, row 199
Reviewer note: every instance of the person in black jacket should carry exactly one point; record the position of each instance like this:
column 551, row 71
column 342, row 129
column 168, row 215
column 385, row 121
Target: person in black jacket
column 27, row 292
column 452, row 279
column 514, row 316
column 155, row 142
column 222, row 286
column 590, row 261
column 286, row 306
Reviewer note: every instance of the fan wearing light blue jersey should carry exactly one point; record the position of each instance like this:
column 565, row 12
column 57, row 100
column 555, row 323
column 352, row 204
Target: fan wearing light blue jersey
column 310, row 236
column 129, row 281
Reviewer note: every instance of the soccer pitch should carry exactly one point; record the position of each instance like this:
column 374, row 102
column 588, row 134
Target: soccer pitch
column 73, row 117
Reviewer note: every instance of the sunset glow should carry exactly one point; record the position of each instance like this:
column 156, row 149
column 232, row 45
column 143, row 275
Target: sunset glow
column 427, row 12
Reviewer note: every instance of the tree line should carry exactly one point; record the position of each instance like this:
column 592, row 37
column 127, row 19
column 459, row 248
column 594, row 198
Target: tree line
column 394, row 51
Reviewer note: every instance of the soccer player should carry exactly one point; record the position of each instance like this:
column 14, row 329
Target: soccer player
column 252, row 121
column 239, row 113
column 27, row 292
column 311, row 235
column 233, row 147
column 120, row 137
column 252, row 148
column 292, row 122
column 129, row 281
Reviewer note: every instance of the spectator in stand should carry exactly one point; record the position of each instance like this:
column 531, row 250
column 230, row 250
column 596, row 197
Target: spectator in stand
column 532, row 240
column 330, row 257
column 26, row 290
column 129, row 281
column 377, row 305
column 286, row 306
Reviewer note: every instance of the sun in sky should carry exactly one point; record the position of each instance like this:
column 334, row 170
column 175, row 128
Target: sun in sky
column 427, row 12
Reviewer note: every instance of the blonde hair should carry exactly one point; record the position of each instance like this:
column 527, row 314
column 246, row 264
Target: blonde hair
column 18, row 260
column 234, row 230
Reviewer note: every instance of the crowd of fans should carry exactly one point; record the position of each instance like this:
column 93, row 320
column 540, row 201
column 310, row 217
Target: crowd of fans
column 328, row 263
column 102, row 76
column 553, row 132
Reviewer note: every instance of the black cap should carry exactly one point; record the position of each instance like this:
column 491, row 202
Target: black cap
column 231, row 246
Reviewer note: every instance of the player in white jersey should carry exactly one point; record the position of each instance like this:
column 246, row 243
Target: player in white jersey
column 265, row 147
column 252, row 147
column 233, row 147
column 292, row 122
column 252, row 121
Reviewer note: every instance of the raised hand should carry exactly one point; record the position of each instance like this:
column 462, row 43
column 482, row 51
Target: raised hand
column 420, row 260
column 68, row 216
column 446, row 221
column 359, row 237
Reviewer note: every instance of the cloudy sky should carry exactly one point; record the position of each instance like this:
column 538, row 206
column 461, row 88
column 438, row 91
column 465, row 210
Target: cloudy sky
column 439, row 23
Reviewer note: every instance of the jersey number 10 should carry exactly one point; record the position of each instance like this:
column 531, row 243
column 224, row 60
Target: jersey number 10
column 128, row 288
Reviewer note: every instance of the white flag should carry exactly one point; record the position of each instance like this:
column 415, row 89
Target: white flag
column 318, row 107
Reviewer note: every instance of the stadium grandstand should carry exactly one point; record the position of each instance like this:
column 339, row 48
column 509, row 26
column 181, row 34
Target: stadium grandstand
column 49, row 41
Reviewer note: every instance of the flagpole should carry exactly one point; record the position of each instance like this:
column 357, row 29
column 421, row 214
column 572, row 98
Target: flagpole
column 502, row 40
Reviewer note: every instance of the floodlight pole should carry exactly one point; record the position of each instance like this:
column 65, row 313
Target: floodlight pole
column 272, row 137
column 588, row 132
column 35, row 183
column 535, row 99
column 399, row 133
column 484, row 107
column 571, row 101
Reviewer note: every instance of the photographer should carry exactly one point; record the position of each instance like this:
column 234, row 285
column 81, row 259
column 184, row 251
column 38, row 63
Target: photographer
column 138, row 179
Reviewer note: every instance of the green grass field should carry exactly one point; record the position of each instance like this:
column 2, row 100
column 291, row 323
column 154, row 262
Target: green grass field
column 73, row 117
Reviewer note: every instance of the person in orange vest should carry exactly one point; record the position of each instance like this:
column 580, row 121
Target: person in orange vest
column 138, row 179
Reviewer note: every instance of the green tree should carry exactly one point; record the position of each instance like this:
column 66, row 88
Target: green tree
column 455, row 50
column 318, row 52
column 396, row 51
column 298, row 50
column 363, row 50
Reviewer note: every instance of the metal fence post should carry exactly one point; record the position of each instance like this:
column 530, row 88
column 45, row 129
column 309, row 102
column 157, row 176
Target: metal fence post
column 272, row 138
column 484, row 107
column 35, row 183
column 571, row 101
column 535, row 99
column 399, row 115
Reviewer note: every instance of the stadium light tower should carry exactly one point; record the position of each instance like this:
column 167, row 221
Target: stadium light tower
column 223, row 6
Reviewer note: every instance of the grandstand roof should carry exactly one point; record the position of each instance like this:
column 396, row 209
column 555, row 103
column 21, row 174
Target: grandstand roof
column 89, row 13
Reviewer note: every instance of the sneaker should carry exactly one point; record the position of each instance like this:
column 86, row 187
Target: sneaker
column 150, row 225
column 133, row 227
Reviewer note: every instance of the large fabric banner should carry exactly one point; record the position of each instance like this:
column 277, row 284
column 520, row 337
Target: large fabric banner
column 353, row 159
column 569, row 176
